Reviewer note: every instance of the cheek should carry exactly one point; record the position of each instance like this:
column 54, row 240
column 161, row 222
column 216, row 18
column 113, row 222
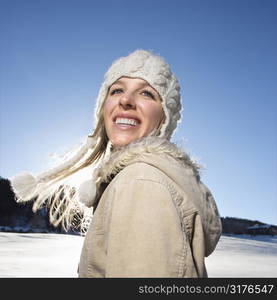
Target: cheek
column 106, row 115
column 154, row 113
column 107, row 108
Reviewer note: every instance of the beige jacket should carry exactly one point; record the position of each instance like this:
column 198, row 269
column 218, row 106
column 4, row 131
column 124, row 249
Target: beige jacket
column 155, row 217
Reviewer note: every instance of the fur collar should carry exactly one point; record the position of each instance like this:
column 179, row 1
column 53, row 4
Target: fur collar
column 121, row 157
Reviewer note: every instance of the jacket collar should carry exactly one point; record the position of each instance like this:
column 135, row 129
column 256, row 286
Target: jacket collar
column 141, row 150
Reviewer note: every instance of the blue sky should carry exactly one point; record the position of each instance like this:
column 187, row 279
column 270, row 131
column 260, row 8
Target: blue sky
column 54, row 55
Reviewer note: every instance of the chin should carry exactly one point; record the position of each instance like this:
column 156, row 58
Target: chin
column 119, row 142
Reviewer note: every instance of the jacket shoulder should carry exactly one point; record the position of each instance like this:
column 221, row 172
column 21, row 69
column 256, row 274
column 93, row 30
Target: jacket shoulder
column 141, row 170
column 150, row 174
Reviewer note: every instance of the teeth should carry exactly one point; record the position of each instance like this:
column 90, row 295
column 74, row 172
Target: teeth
column 126, row 121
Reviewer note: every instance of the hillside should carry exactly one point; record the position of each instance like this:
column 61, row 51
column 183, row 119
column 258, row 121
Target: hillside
column 231, row 225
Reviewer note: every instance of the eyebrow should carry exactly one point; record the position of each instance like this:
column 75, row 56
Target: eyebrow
column 143, row 84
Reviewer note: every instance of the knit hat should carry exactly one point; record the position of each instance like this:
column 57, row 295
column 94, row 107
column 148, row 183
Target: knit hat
column 139, row 64
column 153, row 69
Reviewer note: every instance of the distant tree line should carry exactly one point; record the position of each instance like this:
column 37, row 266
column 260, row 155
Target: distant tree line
column 20, row 217
column 16, row 216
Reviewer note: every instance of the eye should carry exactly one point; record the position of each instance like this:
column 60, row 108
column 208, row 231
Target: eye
column 116, row 91
column 148, row 94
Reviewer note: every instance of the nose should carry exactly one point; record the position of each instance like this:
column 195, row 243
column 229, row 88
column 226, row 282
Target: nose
column 127, row 101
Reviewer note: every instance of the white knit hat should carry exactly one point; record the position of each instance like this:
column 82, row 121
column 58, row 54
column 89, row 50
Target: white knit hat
column 153, row 69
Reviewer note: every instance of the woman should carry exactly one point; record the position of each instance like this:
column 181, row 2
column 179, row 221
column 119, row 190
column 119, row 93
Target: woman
column 152, row 215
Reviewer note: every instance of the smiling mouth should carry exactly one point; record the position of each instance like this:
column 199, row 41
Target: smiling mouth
column 126, row 122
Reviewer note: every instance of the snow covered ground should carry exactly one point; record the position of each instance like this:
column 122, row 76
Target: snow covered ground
column 57, row 255
column 39, row 254
column 244, row 256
